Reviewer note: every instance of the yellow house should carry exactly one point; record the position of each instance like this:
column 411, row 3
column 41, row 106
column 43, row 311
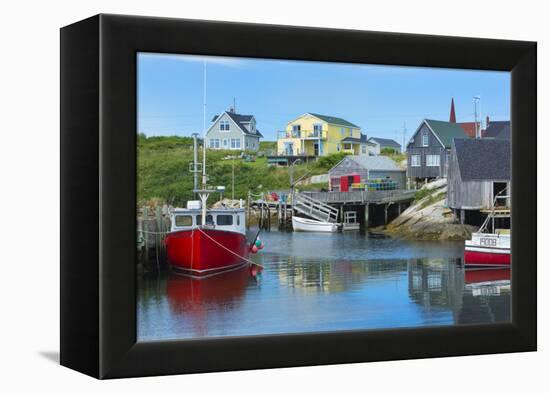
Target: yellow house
column 313, row 134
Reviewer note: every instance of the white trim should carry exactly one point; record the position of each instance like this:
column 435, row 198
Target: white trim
column 436, row 136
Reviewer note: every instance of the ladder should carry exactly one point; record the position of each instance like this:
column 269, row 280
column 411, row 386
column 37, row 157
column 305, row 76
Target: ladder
column 314, row 208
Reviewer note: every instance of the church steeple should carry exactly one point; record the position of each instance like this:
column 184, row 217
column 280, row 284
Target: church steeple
column 452, row 118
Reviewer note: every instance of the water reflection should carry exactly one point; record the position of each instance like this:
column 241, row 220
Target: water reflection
column 324, row 283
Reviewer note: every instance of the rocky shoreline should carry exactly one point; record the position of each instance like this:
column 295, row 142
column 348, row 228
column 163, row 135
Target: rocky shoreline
column 428, row 218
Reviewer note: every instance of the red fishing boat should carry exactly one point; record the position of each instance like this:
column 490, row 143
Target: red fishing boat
column 204, row 242
column 490, row 246
column 202, row 250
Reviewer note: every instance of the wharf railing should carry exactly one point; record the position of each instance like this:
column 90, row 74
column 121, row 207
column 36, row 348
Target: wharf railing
column 361, row 196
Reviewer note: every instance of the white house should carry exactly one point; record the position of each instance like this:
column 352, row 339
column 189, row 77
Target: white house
column 232, row 131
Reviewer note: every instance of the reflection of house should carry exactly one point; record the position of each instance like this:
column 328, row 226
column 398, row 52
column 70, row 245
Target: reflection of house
column 233, row 131
column 380, row 144
column 378, row 171
column 479, row 170
column 319, row 135
column 429, row 149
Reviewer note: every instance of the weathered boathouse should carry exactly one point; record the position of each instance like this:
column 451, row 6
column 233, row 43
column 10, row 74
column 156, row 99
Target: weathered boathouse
column 479, row 170
column 378, row 173
column 429, row 149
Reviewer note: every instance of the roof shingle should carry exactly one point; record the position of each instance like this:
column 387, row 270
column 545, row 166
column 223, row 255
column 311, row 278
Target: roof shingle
column 498, row 130
column 334, row 120
column 483, row 159
column 446, row 131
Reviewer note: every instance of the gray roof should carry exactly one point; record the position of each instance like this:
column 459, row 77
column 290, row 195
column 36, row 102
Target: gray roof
column 381, row 163
column 350, row 139
column 498, row 130
column 239, row 120
column 385, row 142
column 483, row 159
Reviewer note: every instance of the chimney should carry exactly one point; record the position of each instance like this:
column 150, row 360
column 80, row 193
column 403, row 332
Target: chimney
column 486, row 122
column 232, row 109
column 452, row 117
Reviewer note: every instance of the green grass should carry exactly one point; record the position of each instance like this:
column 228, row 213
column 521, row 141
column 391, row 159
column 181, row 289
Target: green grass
column 422, row 193
column 397, row 157
column 163, row 171
column 433, row 199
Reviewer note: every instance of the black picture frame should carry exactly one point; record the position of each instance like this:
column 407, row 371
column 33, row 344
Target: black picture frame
column 98, row 195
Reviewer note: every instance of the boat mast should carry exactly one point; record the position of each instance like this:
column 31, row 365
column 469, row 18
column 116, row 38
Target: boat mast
column 204, row 195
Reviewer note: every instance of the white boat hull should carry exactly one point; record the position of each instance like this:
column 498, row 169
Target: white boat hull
column 300, row 224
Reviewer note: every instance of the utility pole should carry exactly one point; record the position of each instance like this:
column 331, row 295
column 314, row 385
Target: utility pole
column 233, row 178
column 404, row 136
column 477, row 125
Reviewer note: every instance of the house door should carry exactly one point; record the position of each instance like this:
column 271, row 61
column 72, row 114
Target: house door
column 289, row 148
column 316, row 149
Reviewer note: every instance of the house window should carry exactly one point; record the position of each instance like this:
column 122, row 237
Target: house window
column 235, row 143
column 432, row 160
column 214, row 143
column 343, row 131
column 415, row 160
column 338, row 147
column 225, row 143
column 317, row 129
column 425, row 139
column 296, row 128
column 364, row 149
column 247, row 144
column 224, row 125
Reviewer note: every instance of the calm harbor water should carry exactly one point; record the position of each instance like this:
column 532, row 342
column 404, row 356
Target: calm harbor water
column 313, row 282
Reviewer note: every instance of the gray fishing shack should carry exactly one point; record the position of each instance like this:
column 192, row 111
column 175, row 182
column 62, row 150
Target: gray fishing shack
column 479, row 170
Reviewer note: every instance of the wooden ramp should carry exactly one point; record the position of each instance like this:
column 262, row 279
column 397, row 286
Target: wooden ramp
column 314, row 208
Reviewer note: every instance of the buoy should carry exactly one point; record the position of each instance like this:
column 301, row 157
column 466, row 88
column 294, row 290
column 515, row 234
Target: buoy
column 258, row 243
column 254, row 249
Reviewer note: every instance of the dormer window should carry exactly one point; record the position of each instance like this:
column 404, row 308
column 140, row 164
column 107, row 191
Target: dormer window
column 224, row 125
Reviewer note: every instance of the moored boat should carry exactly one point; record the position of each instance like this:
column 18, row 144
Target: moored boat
column 300, row 224
column 202, row 250
column 490, row 246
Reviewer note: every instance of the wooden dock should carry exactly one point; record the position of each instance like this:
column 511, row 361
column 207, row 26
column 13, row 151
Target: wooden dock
column 372, row 207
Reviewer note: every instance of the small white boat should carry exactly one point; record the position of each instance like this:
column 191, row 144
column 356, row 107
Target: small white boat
column 300, row 224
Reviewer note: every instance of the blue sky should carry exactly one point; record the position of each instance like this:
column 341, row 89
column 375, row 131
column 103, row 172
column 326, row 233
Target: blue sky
column 380, row 99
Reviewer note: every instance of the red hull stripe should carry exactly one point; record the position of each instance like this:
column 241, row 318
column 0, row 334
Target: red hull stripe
column 479, row 258
column 195, row 252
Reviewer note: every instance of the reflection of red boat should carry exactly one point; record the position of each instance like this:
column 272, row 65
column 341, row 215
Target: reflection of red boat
column 201, row 301
column 473, row 276
column 186, row 292
column 203, row 250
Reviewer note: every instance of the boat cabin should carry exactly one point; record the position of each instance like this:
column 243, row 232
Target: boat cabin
column 223, row 219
